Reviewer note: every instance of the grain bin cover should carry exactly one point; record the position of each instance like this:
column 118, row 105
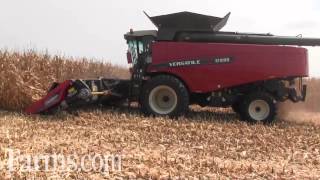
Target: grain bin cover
column 169, row 25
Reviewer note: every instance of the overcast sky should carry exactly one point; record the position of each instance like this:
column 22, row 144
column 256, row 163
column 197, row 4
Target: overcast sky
column 95, row 28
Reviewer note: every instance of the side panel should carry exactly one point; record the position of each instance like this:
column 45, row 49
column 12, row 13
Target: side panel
column 208, row 67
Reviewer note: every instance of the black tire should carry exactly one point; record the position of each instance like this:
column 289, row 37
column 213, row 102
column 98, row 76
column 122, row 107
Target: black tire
column 179, row 95
column 258, row 107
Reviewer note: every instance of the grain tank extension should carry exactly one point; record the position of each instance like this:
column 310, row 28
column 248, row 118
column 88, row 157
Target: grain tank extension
column 189, row 60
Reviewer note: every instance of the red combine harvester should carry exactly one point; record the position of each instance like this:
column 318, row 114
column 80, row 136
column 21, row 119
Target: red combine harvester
column 190, row 61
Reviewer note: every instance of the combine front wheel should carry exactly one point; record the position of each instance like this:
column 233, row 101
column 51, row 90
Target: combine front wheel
column 164, row 95
column 259, row 107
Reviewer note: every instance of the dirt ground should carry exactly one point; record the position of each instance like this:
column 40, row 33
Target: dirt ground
column 206, row 144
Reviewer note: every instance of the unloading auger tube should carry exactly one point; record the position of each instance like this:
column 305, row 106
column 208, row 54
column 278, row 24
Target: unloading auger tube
column 221, row 37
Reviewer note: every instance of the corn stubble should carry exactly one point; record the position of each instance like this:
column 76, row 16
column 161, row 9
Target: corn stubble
column 209, row 143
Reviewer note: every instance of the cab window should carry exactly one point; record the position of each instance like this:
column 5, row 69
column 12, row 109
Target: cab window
column 135, row 48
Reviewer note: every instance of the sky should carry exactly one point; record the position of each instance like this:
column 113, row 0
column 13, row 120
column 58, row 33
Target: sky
column 95, row 28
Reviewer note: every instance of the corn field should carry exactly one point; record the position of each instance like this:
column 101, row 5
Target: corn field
column 25, row 77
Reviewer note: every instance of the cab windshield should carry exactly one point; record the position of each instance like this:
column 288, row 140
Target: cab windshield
column 135, row 48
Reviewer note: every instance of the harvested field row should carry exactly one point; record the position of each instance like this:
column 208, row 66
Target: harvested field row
column 208, row 144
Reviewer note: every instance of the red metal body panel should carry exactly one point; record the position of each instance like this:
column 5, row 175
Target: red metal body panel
column 41, row 106
column 250, row 63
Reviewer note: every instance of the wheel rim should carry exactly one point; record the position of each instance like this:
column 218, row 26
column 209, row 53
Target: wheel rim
column 163, row 99
column 259, row 110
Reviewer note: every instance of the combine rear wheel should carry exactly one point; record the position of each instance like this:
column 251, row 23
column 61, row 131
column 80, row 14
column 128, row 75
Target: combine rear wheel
column 259, row 107
column 164, row 95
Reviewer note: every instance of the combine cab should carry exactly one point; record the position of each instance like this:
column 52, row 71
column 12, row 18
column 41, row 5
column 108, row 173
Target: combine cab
column 189, row 60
